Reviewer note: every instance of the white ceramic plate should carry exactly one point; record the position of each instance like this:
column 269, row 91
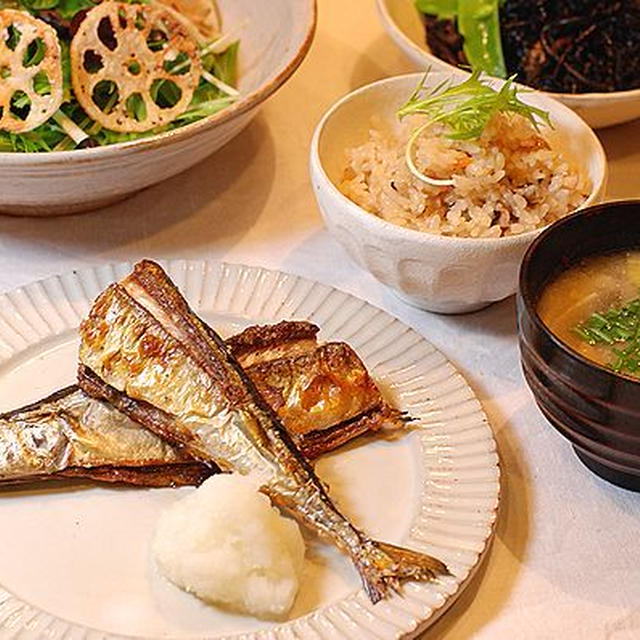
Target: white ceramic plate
column 74, row 560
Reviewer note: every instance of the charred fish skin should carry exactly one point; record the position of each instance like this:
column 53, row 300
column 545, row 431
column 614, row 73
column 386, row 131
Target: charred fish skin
column 169, row 474
column 313, row 390
column 314, row 444
column 69, row 435
column 322, row 393
column 143, row 340
column 264, row 343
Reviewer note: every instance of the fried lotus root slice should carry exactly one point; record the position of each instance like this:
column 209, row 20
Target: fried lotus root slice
column 122, row 54
column 30, row 71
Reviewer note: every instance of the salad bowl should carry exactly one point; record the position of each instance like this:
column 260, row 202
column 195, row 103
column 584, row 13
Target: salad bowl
column 274, row 39
column 402, row 22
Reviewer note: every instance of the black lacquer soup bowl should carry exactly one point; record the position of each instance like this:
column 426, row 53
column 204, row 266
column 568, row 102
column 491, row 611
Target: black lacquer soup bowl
column 597, row 410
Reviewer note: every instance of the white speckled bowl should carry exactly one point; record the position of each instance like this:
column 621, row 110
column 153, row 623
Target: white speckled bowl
column 437, row 273
column 402, row 22
column 275, row 37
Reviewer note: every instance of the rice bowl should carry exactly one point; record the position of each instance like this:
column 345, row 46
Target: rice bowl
column 439, row 273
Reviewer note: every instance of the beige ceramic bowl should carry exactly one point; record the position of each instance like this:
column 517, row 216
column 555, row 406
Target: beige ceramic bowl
column 437, row 273
column 275, row 37
column 402, row 22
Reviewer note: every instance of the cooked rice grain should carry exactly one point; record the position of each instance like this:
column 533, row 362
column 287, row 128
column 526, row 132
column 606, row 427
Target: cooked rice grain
column 508, row 182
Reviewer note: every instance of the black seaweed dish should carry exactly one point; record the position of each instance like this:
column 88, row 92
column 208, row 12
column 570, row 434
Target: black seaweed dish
column 565, row 46
column 597, row 410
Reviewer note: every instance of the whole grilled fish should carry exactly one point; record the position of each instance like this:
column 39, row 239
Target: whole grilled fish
column 322, row 393
column 145, row 352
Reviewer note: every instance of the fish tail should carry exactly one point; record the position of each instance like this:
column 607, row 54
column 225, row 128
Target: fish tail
column 383, row 567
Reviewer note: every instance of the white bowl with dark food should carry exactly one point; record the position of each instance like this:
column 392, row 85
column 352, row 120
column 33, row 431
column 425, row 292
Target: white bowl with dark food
column 457, row 247
column 110, row 134
column 598, row 101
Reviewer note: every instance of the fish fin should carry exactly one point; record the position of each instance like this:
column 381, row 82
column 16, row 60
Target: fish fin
column 383, row 567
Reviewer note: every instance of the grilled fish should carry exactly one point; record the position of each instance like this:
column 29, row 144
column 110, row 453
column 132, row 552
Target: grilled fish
column 70, row 435
column 323, row 394
column 145, row 352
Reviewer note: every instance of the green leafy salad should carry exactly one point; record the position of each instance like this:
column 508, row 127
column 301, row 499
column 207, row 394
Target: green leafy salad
column 80, row 74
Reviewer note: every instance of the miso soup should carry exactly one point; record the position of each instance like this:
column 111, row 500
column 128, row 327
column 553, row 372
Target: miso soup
column 594, row 307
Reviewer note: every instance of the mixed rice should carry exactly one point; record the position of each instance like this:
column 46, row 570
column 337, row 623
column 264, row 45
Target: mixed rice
column 509, row 181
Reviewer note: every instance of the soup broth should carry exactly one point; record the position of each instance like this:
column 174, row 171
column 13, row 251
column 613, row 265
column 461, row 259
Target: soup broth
column 594, row 307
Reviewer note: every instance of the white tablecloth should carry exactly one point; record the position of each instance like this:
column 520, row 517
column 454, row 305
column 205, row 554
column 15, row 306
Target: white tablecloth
column 565, row 563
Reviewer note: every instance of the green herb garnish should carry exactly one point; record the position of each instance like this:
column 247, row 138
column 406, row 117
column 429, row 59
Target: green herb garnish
column 467, row 108
column 618, row 328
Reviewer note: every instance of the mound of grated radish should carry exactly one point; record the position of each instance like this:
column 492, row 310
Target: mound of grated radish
column 226, row 544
